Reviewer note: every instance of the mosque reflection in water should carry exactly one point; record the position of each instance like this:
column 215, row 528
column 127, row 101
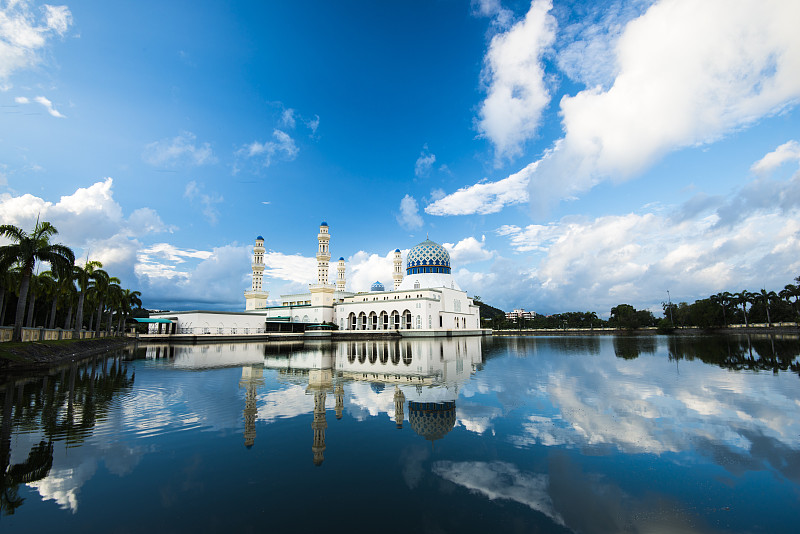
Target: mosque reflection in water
column 425, row 374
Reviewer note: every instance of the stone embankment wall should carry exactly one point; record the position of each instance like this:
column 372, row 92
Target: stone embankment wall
column 46, row 334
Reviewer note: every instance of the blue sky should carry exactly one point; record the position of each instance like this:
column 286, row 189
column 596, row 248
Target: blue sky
column 572, row 156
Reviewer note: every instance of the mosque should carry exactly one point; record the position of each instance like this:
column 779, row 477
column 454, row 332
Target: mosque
column 426, row 301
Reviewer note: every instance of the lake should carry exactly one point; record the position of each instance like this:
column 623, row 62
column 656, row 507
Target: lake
column 504, row 434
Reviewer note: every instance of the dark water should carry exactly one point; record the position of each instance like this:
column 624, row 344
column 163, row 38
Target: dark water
column 572, row 434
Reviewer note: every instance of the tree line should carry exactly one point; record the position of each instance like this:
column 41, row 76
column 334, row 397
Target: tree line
column 744, row 307
column 715, row 311
column 77, row 297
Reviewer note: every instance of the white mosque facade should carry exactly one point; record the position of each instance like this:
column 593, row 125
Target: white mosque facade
column 425, row 300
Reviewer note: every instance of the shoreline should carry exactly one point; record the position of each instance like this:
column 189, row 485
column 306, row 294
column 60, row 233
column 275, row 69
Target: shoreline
column 651, row 331
column 40, row 355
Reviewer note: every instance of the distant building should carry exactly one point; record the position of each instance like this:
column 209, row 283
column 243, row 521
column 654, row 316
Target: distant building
column 520, row 314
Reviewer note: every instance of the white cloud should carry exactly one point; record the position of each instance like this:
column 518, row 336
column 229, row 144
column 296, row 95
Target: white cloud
column 49, row 107
column 501, row 17
column 748, row 240
column 207, row 202
column 789, row 151
column 46, row 103
column 290, row 267
column 485, row 197
column 282, row 145
column 169, row 277
column 685, row 74
column 409, row 216
column 91, row 222
column 424, row 163
column 364, row 268
column 172, row 253
column 287, row 118
column 312, row 124
column 468, row 250
column 586, row 47
column 23, row 34
column 514, row 75
column 501, row 480
column 726, row 65
column 179, row 150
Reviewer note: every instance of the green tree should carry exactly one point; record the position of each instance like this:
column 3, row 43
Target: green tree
column 623, row 316
column 768, row 297
column 789, row 292
column 82, row 276
column 723, row 300
column 25, row 250
column 743, row 298
column 129, row 300
column 100, row 285
column 49, row 288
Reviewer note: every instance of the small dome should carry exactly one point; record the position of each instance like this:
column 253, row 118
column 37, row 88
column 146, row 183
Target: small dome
column 397, row 250
column 428, row 254
column 432, row 420
column 341, row 259
column 377, row 286
column 323, row 223
column 260, row 238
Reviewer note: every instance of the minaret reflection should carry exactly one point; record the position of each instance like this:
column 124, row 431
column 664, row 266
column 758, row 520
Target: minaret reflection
column 339, row 392
column 252, row 379
column 399, row 401
column 319, row 382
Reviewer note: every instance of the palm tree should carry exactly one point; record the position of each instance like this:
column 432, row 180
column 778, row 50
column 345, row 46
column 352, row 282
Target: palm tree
column 8, row 281
column 129, row 300
column 100, row 283
column 744, row 298
column 26, row 250
column 69, row 295
column 66, row 292
column 723, row 299
column 114, row 303
column 33, row 290
column 82, row 275
column 768, row 297
column 49, row 288
column 789, row 292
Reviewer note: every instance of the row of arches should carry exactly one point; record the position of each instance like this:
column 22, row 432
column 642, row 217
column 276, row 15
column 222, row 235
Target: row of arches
column 393, row 320
column 383, row 352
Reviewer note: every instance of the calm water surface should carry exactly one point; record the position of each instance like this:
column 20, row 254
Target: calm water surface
column 559, row 434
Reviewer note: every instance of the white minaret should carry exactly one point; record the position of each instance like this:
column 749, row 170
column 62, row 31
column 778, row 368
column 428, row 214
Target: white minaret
column 340, row 280
column 257, row 297
column 398, row 269
column 323, row 254
column 321, row 292
column 258, row 264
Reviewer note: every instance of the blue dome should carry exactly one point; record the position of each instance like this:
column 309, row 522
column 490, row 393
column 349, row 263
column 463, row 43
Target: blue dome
column 397, row 250
column 377, row 286
column 323, row 223
column 428, row 257
column 341, row 259
column 261, row 238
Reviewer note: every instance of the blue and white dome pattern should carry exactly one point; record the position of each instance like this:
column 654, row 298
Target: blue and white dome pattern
column 428, row 257
column 377, row 286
